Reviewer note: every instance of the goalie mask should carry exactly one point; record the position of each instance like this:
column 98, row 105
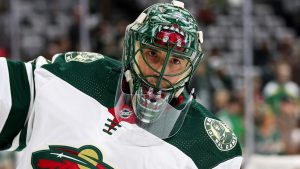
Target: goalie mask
column 161, row 52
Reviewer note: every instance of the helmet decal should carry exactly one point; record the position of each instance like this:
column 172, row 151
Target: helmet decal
column 170, row 36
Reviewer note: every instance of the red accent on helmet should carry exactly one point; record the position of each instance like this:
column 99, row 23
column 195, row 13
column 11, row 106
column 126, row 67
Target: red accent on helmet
column 171, row 37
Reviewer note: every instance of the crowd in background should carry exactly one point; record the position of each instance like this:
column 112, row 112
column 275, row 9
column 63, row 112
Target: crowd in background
column 218, row 79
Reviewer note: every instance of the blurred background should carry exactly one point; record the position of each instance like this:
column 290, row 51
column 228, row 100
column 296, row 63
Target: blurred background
column 249, row 77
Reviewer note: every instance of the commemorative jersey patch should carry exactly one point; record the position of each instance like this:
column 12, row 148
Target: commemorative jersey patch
column 84, row 57
column 220, row 134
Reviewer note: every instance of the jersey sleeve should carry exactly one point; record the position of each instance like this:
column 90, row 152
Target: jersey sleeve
column 16, row 100
column 234, row 163
column 207, row 140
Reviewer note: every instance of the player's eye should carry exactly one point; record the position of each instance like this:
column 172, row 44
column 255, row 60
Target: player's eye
column 152, row 56
column 152, row 53
column 175, row 61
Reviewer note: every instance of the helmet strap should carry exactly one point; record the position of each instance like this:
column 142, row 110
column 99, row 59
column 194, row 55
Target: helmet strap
column 129, row 79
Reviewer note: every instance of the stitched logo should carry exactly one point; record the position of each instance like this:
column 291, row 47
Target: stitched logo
column 220, row 134
column 84, row 57
column 63, row 157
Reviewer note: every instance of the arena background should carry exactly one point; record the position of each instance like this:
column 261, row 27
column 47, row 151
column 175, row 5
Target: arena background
column 249, row 77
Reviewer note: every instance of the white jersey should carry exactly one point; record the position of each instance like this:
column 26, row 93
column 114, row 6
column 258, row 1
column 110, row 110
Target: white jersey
column 61, row 116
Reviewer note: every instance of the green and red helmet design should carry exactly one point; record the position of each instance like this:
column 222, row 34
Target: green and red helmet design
column 169, row 28
column 171, row 36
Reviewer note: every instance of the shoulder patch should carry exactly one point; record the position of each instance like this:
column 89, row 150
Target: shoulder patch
column 84, row 57
column 220, row 134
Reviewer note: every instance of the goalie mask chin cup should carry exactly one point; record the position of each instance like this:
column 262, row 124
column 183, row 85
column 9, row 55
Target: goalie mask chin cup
column 150, row 110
